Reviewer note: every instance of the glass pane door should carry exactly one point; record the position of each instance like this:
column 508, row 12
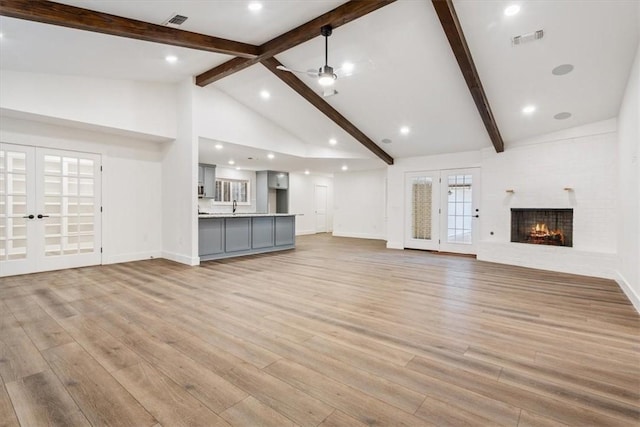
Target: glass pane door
column 16, row 204
column 421, row 224
column 69, row 204
column 460, row 210
column 49, row 209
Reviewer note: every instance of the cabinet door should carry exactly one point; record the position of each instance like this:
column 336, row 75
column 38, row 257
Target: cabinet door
column 200, row 175
column 209, row 181
column 278, row 180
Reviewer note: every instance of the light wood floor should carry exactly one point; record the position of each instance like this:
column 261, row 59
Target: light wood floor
column 338, row 332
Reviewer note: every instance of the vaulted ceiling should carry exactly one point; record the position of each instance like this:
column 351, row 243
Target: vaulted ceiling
column 405, row 72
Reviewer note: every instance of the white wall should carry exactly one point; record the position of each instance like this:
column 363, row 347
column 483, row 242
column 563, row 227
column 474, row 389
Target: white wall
column 582, row 158
column 396, row 191
column 359, row 204
column 140, row 107
column 302, row 201
column 629, row 187
column 179, row 184
column 131, row 191
column 221, row 118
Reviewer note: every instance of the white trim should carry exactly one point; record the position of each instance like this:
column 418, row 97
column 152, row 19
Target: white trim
column 628, row 291
column 130, row 257
column 305, row 232
column 360, row 235
column 395, row 245
column 180, row 258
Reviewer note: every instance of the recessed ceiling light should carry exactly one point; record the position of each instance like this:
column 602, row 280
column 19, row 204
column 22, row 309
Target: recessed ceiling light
column 386, row 141
column 254, row 6
column 345, row 167
column 512, row 10
column 231, row 162
column 562, row 116
column 218, row 146
column 561, row 70
column 270, row 155
column 171, row 59
column 405, row 130
column 333, row 141
column 529, row 109
column 237, row 168
column 306, row 172
column 347, row 68
column 265, row 94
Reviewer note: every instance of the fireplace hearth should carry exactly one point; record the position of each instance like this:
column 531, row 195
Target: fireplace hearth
column 542, row 226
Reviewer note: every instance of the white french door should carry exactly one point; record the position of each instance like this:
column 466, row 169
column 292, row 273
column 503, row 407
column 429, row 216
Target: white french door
column 460, row 210
column 442, row 210
column 422, row 226
column 49, row 209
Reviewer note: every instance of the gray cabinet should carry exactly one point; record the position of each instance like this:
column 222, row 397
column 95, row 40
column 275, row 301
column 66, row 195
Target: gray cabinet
column 261, row 232
column 237, row 236
column 232, row 236
column 206, row 181
column 272, row 192
column 278, row 180
column 285, row 230
column 211, row 236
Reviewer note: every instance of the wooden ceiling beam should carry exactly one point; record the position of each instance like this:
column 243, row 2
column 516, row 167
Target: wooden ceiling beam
column 341, row 15
column 49, row 12
column 317, row 101
column 453, row 30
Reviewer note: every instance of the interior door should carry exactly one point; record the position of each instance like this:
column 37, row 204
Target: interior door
column 50, row 213
column 321, row 208
column 17, row 204
column 460, row 210
column 422, row 192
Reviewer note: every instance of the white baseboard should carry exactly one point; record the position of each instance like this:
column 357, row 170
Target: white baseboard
column 182, row 259
column 359, row 235
column 395, row 245
column 304, row 232
column 135, row 256
column 628, row 291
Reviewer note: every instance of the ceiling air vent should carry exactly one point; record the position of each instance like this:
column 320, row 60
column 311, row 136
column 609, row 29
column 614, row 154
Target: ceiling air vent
column 175, row 19
column 525, row 38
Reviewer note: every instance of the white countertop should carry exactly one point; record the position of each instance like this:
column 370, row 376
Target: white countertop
column 236, row 215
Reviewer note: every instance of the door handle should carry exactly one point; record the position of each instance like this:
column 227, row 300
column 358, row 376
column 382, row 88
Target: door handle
column 40, row 216
column 476, row 216
column 28, row 216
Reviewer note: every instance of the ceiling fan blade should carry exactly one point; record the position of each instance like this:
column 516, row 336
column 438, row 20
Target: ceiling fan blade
column 357, row 68
column 310, row 72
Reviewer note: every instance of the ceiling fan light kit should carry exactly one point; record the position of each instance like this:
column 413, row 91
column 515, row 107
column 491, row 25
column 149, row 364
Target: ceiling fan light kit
column 325, row 74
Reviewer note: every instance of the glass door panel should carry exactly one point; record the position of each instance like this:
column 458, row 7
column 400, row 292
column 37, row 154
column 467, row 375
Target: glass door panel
column 72, row 208
column 421, row 223
column 460, row 210
column 17, row 247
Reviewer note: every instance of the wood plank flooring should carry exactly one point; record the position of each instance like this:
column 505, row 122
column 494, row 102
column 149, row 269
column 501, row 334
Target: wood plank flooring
column 338, row 332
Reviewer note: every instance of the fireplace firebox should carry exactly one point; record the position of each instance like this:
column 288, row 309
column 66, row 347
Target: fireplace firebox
column 542, row 226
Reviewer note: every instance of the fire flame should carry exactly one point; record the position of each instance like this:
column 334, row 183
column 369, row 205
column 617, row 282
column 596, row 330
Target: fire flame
column 541, row 232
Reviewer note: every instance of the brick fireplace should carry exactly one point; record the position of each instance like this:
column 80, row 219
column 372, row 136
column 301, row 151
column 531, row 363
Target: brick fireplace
column 552, row 227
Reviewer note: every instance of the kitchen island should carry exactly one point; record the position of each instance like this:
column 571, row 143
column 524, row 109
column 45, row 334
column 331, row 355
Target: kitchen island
column 230, row 235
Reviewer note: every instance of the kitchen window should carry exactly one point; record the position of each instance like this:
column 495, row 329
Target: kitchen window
column 228, row 190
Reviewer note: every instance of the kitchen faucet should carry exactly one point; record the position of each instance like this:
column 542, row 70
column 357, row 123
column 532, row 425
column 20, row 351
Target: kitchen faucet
column 235, row 205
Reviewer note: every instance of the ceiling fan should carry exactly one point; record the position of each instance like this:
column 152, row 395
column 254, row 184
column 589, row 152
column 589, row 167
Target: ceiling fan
column 325, row 74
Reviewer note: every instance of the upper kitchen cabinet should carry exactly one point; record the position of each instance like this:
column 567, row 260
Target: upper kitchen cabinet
column 272, row 192
column 206, row 181
column 278, row 180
